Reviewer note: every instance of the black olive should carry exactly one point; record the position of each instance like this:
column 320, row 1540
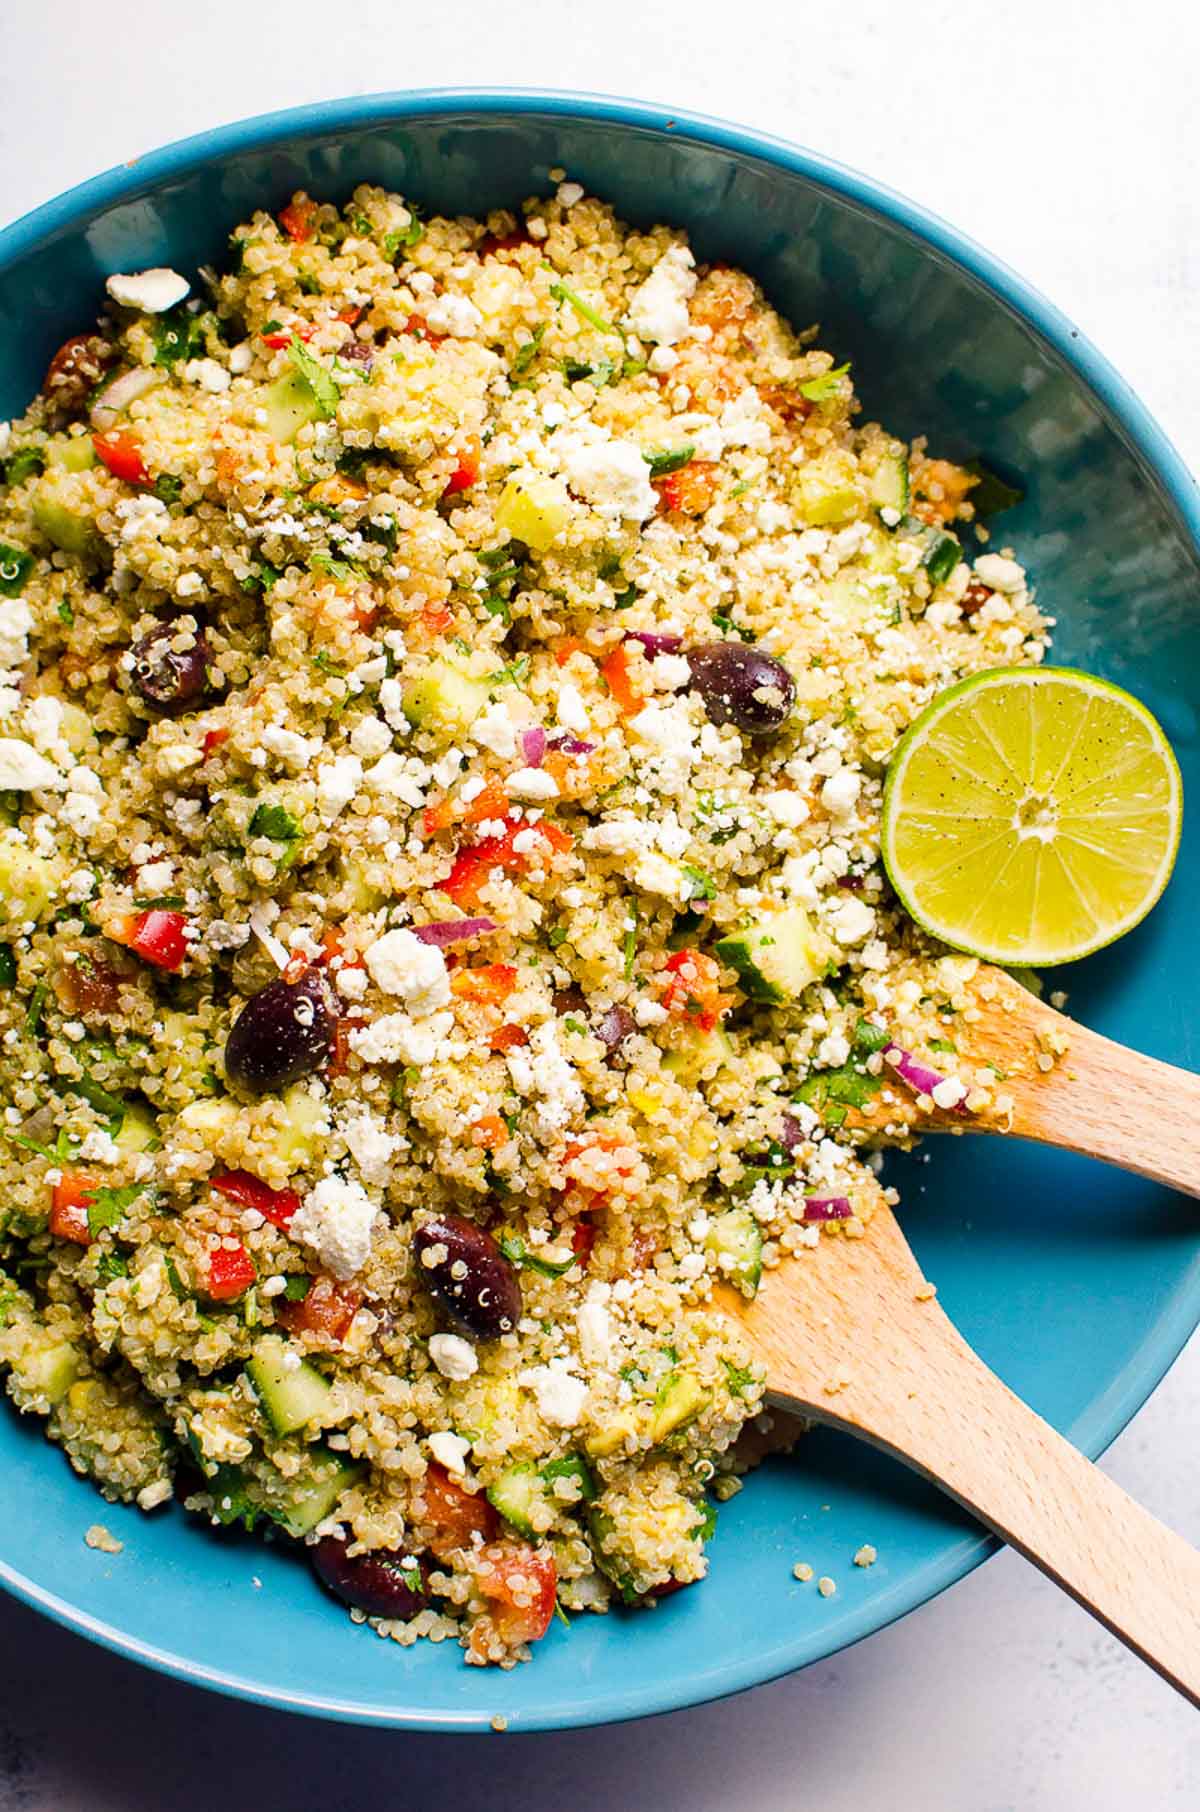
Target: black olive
column 742, row 686
column 378, row 1583
column 612, row 1029
column 465, row 1269
column 284, row 1032
column 166, row 677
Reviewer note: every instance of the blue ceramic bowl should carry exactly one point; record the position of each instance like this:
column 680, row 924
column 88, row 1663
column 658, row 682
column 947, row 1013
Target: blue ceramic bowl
column 1079, row 1285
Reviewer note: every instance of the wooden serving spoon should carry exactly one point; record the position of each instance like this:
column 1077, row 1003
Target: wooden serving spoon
column 851, row 1335
column 1059, row 1084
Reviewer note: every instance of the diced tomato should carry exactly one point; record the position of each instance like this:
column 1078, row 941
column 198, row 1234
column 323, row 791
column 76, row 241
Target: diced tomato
column 327, row 1310
column 600, row 1164
column 642, row 1248
column 466, row 472
column 230, row 1274
column 473, row 866
column 583, row 1239
column 437, row 818
column 490, row 984
column 457, row 1515
column 121, row 452
column 283, row 336
column 332, row 944
column 298, row 220
column 493, row 802
column 487, row 248
column 692, row 991
column 213, row 740
column 520, row 1583
column 615, row 668
column 416, row 326
column 787, row 402
column 275, row 1205
column 88, row 985
column 351, row 316
column 569, row 645
column 158, row 938
column 435, row 620
column 508, row 1038
column 690, row 490
column 69, row 1202
column 488, row 1132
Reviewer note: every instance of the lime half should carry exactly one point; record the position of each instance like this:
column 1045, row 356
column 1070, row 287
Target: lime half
column 1031, row 815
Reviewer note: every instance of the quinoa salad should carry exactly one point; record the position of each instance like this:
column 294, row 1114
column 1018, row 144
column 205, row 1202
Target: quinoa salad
column 450, row 668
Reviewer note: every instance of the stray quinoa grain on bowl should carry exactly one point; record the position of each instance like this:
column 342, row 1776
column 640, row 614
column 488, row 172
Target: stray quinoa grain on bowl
column 449, row 673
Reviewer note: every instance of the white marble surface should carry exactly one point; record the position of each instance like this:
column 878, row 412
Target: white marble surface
column 1061, row 133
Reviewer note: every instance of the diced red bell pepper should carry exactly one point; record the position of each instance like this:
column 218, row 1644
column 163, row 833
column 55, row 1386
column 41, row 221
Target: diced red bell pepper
column 489, row 1132
column 520, row 1583
column 415, row 325
column 473, row 866
column 213, row 740
column 487, row 248
column 489, row 984
column 69, row 1202
column 158, row 938
column 328, row 1309
column 284, row 337
column 690, row 490
column 275, row 1205
column 435, row 620
column 121, row 452
column 230, row 1274
column 508, row 1038
column 466, row 473
column 583, row 1238
column 615, row 668
column 692, row 991
column 457, row 1515
column 298, row 220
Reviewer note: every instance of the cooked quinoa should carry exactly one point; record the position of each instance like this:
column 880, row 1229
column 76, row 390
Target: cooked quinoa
column 463, row 657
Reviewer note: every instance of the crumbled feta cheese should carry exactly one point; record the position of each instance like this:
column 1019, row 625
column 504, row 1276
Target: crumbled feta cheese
column 208, row 374
column 552, row 1078
column 613, row 477
column 659, row 308
column 400, row 963
column 177, row 759
column 450, row 1450
column 851, row 920
column 454, row 1357
column 571, row 711
column 22, row 768
column 241, row 358
column 99, row 1147
column 532, row 783
column 154, row 877
column 670, row 672
column 336, row 1219
column 396, row 1038
column 647, row 1012
column 839, row 795
column 351, row 984
column 658, row 874
column 786, row 807
column 16, row 621
column 370, row 1144
column 453, row 315
column 153, row 291
column 493, row 729
column 833, row 1051
column 293, row 750
column 560, row 1395
column 400, row 778
column 743, row 423
column 999, row 573
column 370, row 738
column 337, row 783
column 595, row 1333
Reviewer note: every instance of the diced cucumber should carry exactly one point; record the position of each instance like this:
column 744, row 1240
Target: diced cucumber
column 217, row 1117
column 889, row 483
column 138, row 1130
column 292, row 1392
column 679, row 1400
column 66, row 526
column 291, row 403
column 827, row 489
column 75, row 453
column 736, row 1241
column 295, row 1142
column 45, row 1369
column 776, row 956
column 699, row 1054
column 355, row 885
column 28, row 882
column 310, row 1496
column 443, row 697
column 533, row 510
column 613, row 1434
column 517, row 1491
column 941, row 556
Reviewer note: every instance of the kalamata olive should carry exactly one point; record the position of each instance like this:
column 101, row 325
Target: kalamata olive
column 169, row 677
column 742, row 686
column 357, row 352
column 75, row 370
column 465, row 1269
column 613, row 1028
column 283, row 1032
column 570, row 999
column 379, row 1583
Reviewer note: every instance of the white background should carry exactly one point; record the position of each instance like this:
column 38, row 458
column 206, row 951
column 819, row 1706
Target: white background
column 1064, row 135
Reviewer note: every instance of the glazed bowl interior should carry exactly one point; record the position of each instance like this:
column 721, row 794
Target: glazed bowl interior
column 1078, row 1284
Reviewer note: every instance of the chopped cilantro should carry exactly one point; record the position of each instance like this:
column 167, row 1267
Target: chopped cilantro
column 706, row 1528
column 821, row 389
column 107, row 1207
column 599, row 372
column 8, row 967
column 562, row 292
column 297, row 1287
column 831, row 1092
column 623, row 599
column 64, row 613
column 322, row 383
column 668, row 459
column 512, row 675
column 15, row 567
column 729, row 627
column 870, row 1037
column 942, row 1044
column 274, row 821
column 630, row 946
column 324, row 663
column 177, row 335
column 739, row 1378
column 112, row 1265
column 261, row 577
column 308, row 284
column 702, row 885
column 230, row 1501
column 526, row 353
column 401, row 238
column 558, row 936
column 37, row 1005
column 517, row 1253
column 341, row 570
column 166, row 487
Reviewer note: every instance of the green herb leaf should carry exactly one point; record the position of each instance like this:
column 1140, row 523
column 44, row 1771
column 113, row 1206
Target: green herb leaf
column 167, row 487
column 177, row 335
column 297, row 1286
column 261, row 578
column 820, row 389
column 526, row 353
column 630, row 945
column 727, row 624
column 8, row 967
column 341, row 570
column 307, row 284
column 668, row 459
column 517, row 1253
column 703, row 887
column 230, row 1501
column 562, row 292
column 706, row 1528
column 322, row 383
column 274, row 821
column 401, row 238
column 25, row 463
column 869, row 1037
column 112, row 1265
column 64, row 613
column 107, row 1207
column 37, row 1006
column 739, row 1378
column 15, row 567
column 178, row 1288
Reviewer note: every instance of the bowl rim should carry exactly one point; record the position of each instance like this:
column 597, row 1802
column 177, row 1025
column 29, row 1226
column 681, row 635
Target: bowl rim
column 1163, row 467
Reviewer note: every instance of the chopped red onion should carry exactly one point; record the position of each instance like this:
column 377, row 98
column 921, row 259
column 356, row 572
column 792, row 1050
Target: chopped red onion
column 124, row 389
column 569, row 745
column 827, row 1208
column 533, row 746
column 919, row 1077
column 452, row 931
column 791, row 1133
column 654, row 642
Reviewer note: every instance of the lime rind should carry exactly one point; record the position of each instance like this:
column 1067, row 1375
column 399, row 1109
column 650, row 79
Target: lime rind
column 1111, row 843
